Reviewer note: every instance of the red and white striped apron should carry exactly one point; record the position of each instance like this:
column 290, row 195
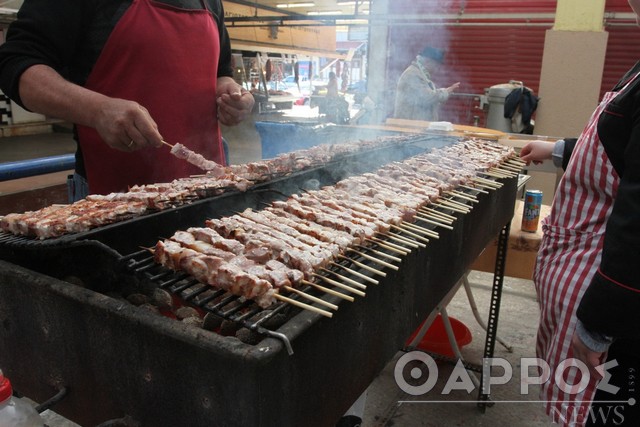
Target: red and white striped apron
column 569, row 255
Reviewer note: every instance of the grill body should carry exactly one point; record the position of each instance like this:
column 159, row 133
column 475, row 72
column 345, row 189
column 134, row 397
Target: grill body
column 117, row 359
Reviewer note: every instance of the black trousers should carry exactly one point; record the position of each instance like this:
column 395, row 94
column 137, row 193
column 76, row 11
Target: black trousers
column 621, row 408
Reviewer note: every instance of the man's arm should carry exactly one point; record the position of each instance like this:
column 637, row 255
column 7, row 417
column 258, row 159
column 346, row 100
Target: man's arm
column 117, row 121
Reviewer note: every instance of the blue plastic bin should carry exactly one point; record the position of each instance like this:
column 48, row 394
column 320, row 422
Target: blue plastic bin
column 283, row 137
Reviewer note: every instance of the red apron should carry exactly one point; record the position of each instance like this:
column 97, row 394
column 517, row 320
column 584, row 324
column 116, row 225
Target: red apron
column 166, row 59
column 569, row 255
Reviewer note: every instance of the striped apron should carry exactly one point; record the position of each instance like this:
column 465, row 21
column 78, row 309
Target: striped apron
column 569, row 255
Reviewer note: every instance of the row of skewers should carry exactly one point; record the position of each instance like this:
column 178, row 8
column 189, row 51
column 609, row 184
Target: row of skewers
column 99, row 210
column 370, row 220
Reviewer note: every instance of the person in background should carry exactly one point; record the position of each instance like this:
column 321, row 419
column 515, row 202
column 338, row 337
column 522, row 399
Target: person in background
column 588, row 289
column 335, row 107
column 417, row 96
column 129, row 75
column 332, row 86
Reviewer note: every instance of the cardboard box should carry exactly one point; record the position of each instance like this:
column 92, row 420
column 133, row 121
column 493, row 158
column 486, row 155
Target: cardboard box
column 522, row 249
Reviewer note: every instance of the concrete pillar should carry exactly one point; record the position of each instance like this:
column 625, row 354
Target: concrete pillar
column 379, row 54
column 572, row 68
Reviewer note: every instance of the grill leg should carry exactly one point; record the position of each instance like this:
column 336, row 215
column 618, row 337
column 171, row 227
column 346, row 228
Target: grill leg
column 476, row 313
column 454, row 343
column 494, row 311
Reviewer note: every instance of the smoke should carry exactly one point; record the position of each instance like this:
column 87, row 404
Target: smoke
column 402, row 28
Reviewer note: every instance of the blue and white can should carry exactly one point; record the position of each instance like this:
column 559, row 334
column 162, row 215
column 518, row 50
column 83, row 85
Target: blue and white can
column 531, row 214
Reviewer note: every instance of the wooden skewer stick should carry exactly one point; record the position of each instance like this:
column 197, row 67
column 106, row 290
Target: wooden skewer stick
column 438, row 213
column 468, row 187
column 452, row 197
column 329, row 291
column 456, row 203
column 492, row 174
column 441, row 219
column 445, row 205
column 382, row 254
column 311, row 298
column 500, row 170
column 353, row 282
column 408, row 242
column 486, row 187
column 471, row 198
column 414, row 235
column 303, row 305
column 504, row 174
column 462, row 194
column 356, row 273
column 437, row 219
column 488, row 182
column 166, row 143
column 517, row 161
column 391, row 246
column 370, row 258
column 513, row 170
column 511, row 167
column 341, row 285
column 424, row 219
column 421, row 230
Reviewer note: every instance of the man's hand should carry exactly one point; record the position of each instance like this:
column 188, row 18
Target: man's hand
column 126, row 125
column 234, row 103
column 589, row 357
column 453, row 87
column 536, row 151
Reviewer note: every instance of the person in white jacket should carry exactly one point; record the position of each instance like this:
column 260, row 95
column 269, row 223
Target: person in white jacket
column 417, row 96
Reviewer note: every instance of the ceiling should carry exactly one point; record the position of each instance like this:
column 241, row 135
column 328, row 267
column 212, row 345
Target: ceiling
column 311, row 10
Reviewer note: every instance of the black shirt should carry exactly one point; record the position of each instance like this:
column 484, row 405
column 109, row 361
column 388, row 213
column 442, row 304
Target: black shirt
column 69, row 35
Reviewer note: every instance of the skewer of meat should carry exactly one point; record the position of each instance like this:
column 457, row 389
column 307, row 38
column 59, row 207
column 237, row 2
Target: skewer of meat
column 196, row 159
column 214, row 271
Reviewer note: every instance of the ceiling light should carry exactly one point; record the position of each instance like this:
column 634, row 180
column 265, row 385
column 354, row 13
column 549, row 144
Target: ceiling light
column 352, row 22
column 292, row 5
column 326, row 12
column 352, row 3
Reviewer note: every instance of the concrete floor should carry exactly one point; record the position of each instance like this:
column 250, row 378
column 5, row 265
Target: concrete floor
column 387, row 405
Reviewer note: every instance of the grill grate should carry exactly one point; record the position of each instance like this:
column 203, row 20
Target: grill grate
column 214, row 301
column 248, row 314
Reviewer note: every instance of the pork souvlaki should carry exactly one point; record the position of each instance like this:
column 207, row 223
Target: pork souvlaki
column 58, row 220
column 292, row 240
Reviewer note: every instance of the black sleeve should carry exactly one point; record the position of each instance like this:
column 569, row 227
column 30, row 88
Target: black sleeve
column 569, row 145
column 611, row 304
column 225, row 68
column 45, row 32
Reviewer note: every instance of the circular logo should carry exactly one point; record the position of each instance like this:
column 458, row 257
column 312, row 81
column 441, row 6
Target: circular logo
column 416, row 373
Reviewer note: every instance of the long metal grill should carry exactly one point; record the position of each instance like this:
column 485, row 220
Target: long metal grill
column 146, row 360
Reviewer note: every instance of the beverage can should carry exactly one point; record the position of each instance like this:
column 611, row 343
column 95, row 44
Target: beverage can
column 531, row 213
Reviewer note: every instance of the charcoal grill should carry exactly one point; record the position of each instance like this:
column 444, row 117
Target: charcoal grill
column 116, row 359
